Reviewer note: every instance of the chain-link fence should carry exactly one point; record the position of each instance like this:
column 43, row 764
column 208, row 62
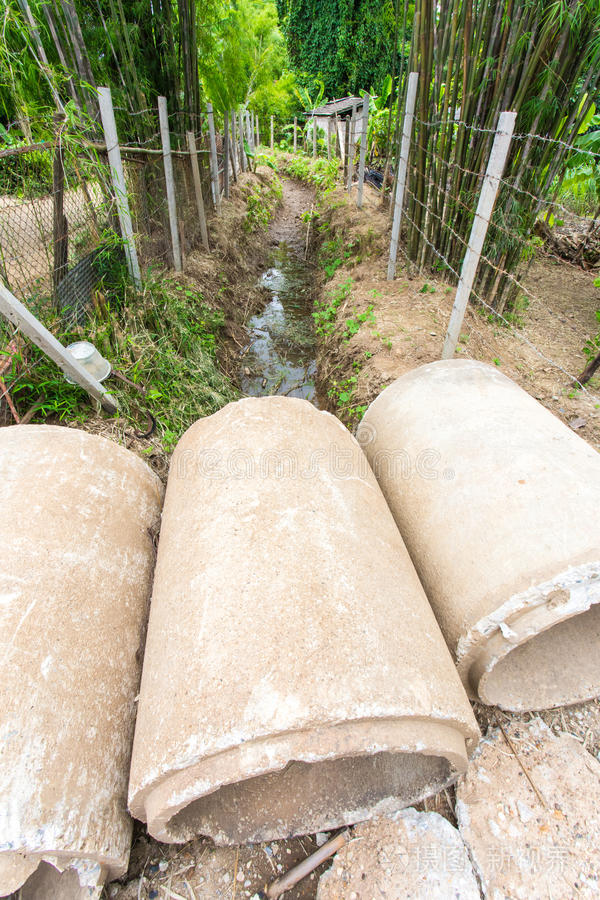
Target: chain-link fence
column 60, row 229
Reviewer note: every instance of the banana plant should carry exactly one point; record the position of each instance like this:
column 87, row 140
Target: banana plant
column 378, row 116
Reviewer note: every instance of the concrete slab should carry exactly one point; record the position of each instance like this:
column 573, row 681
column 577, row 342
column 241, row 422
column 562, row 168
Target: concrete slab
column 412, row 854
column 524, row 846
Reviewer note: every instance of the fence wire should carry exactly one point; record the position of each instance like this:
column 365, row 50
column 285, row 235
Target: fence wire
column 438, row 214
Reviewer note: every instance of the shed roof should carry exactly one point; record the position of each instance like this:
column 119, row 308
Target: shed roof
column 337, row 107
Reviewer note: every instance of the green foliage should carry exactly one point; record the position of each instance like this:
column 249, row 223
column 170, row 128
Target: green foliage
column 354, row 322
column 350, row 44
column 592, row 346
column 326, row 309
column 310, row 100
column 321, row 173
column 164, row 339
column 579, row 187
column 247, row 62
column 261, row 200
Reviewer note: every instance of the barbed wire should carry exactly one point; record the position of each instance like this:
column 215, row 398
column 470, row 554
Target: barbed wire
column 496, row 315
column 525, row 136
column 547, row 203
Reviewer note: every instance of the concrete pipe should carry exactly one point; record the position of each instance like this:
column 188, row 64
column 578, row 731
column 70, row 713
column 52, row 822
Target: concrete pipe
column 295, row 678
column 77, row 560
column 499, row 505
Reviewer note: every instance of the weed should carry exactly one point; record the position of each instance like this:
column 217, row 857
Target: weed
column 163, row 339
column 353, row 324
column 592, row 346
column 261, row 200
column 326, row 309
column 427, row 289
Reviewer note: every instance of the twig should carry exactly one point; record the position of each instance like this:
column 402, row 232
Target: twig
column 308, row 865
column 141, row 881
column 11, row 405
column 190, row 889
column 308, row 230
column 235, row 870
column 518, row 759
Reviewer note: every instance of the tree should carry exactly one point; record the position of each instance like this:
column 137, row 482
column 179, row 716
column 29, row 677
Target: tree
column 350, row 44
column 248, row 63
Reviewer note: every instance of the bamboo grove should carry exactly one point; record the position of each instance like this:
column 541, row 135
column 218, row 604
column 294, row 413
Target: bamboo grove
column 476, row 58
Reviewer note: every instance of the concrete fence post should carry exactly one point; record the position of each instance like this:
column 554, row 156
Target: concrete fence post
column 226, row 154
column 32, row 328
column 363, row 150
column 214, row 162
column 485, row 207
column 118, row 182
column 191, row 141
column 411, row 96
column 243, row 160
column 233, row 147
column 169, row 181
column 351, row 147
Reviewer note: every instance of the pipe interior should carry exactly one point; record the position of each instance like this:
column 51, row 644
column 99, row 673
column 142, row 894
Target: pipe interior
column 557, row 667
column 307, row 797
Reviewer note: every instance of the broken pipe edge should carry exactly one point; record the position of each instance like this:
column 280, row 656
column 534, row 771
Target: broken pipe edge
column 521, row 619
column 92, row 869
column 160, row 801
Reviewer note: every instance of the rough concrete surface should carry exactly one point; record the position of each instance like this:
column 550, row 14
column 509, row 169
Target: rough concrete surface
column 498, row 503
column 77, row 558
column 295, row 678
column 522, row 846
column 408, row 855
column 47, row 883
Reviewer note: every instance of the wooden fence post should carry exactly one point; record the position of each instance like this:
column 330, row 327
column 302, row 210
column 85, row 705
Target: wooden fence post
column 191, row 141
column 27, row 323
column 250, row 132
column 363, row 150
column 411, row 96
column 295, row 134
column 329, row 138
column 226, row 154
column 487, row 198
column 272, row 136
column 338, row 143
column 169, row 181
column 232, row 147
column 346, row 148
column 241, row 138
column 314, row 137
column 60, row 228
column 351, row 148
column 118, row 182
column 214, row 162
column 257, row 131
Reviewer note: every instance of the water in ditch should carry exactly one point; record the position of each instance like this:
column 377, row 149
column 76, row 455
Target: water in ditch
column 281, row 355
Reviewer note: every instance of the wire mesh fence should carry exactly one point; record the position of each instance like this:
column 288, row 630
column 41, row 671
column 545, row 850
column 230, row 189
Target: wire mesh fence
column 438, row 225
column 61, row 228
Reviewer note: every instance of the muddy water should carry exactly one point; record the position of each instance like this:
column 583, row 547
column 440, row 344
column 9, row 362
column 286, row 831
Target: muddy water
column 280, row 355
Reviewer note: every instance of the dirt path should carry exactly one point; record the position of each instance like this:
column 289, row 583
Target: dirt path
column 287, row 224
column 408, row 320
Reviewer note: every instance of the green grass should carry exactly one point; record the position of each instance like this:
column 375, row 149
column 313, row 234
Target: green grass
column 163, row 339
